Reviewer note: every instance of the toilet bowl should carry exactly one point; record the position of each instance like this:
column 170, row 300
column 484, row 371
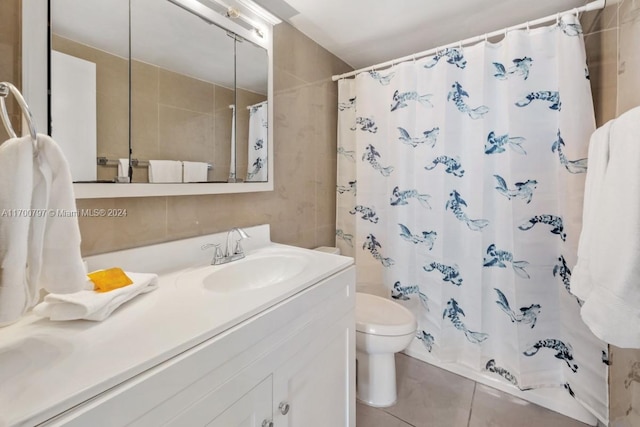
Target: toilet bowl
column 383, row 328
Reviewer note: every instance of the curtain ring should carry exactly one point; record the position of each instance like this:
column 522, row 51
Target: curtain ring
column 413, row 57
column 558, row 19
column 577, row 13
column 486, row 37
column 460, row 45
column 528, row 29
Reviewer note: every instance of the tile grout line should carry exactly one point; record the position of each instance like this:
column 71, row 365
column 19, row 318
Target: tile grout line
column 473, row 397
column 396, row 417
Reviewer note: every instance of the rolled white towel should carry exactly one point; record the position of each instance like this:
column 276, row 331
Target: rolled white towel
column 92, row 305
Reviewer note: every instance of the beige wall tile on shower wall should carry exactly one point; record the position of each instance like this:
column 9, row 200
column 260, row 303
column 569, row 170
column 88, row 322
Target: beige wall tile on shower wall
column 629, row 57
column 602, row 59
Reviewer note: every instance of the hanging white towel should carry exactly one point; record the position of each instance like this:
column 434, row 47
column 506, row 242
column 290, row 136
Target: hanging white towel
column 165, row 171
column 123, row 167
column 607, row 275
column 92, row 305
column 62, row 269
column 258, row 143
column 16, row 175
column 194, row 171
column 47, row 254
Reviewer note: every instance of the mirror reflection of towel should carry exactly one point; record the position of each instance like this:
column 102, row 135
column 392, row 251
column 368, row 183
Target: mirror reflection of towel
column 123, row 167
column 165, row 171
column 194, row 171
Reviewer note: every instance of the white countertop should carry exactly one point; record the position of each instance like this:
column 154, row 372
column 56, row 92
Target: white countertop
column 47, row 367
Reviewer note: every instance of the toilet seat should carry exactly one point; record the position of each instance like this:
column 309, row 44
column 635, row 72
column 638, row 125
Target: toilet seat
column 379, row 316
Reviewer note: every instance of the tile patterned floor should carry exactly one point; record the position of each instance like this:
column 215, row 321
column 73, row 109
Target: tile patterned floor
column 431, row 397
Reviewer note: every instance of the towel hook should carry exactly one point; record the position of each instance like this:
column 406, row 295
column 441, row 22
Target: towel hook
column 5, row 89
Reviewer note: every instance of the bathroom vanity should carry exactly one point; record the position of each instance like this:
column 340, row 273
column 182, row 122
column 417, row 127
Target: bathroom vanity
column 276, row 349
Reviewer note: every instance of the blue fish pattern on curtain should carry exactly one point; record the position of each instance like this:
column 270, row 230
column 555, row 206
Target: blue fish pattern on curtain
column 402, row 197
column 454, row 57
column 520, row 67
column 403, row 292
column 522, row 190
column 468, row 169
column 452, row 164
column 400, row 99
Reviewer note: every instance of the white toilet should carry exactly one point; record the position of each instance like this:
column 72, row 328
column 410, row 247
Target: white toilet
column 383, row 328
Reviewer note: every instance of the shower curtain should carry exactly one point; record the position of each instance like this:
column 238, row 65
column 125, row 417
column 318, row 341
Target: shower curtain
column 258, row 142
column 460, row 186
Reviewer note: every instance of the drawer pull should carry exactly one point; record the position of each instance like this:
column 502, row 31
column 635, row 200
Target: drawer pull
column 284, row 408
column 267, row 423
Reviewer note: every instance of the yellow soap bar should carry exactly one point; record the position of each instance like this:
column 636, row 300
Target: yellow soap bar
column 109, row 279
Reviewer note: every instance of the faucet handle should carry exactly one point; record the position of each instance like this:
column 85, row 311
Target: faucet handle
column 217, row 252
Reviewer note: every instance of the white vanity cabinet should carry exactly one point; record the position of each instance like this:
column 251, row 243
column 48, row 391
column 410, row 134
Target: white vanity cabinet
column 292, row 365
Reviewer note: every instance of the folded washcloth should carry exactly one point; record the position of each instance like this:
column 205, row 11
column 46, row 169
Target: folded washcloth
column 92, row 305
column 165, row 171
column 194, row 171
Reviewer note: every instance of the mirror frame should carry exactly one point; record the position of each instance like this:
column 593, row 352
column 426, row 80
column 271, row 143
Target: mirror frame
column 35, row 47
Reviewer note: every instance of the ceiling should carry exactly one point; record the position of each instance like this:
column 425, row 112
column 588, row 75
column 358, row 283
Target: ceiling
column 368, row 32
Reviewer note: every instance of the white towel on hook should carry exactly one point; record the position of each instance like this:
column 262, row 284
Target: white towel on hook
column 39, row 228
column 195, row 172
column 165, row 171
column 55, row 261
column 607, row 275
column 92, row 305
column 16, row 175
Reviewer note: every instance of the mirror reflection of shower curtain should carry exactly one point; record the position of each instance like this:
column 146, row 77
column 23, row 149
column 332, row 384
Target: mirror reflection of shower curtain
column 232, row 163
column 258, row 131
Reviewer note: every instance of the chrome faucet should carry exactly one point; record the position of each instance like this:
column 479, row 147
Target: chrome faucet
column 230, row 254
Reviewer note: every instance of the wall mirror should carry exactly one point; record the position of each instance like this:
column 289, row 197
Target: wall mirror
column 180, row 85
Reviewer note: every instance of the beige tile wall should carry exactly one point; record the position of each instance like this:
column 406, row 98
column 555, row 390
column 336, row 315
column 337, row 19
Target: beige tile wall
column 112, row 100
column 173, row 116
column 301, row 210
column 612, row 39
column 10, row 58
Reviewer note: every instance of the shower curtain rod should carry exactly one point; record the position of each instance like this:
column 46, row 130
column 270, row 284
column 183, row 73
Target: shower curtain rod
column 595, row 5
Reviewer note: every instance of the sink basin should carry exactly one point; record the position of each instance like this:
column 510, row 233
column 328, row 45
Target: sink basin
column 255, row 272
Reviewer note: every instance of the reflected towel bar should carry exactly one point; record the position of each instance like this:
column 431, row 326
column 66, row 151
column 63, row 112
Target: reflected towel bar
column 103, row 161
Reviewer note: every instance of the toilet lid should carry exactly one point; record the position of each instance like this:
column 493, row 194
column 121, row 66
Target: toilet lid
column 379, row 316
